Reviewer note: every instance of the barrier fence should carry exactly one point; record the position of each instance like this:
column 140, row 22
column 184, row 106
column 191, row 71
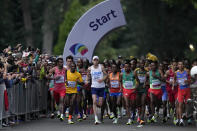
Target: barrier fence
column 24, row 98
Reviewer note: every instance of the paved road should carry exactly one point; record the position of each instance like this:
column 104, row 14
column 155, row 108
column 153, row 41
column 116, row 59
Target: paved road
column 47, row 124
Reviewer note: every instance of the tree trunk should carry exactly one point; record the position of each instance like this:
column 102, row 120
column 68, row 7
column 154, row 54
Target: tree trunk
column 52, row 17
column 47, row 32
column 27, row 22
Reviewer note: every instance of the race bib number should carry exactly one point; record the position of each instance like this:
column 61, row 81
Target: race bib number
column 60, row 80
column 84, row 77
column 114, row 84
column 142, row 79
column 128, row 84
column 96, row 76
column 171, row 79
column 181, row 81
column 72, row 84
column 156, row 83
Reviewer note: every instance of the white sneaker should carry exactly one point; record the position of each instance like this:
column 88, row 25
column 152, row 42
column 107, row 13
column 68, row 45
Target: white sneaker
column 70, row 122
column 97, row 122
column 84, row 116
column 176, row 122
column 115, row 121
column 181, row 123
column 168, row 116
column 129, row 122
column 153, row 119
column 58, row 114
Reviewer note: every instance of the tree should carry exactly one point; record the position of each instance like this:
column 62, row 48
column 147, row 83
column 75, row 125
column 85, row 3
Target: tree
column 27, row 22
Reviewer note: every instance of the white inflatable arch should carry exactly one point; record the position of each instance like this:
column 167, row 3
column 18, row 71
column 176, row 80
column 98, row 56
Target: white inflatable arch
column 91, row 27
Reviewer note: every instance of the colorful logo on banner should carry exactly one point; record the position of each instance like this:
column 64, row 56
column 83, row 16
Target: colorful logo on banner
column 79, row 48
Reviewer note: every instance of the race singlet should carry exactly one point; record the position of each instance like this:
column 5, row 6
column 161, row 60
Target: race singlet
column 97, row 74
column 128, row 81
column 181, row 77
column 154, row 83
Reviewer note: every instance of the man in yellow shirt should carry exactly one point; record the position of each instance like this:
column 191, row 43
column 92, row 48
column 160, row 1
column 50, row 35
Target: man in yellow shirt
column 74, row 78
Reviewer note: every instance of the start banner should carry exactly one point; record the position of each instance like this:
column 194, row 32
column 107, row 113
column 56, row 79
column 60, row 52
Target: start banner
column 91, row 27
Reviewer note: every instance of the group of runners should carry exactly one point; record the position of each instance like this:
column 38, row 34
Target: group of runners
column 138, row 89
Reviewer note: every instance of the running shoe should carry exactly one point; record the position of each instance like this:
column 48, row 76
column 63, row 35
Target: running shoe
column 79, row 118
column 5, row 125
column 70, row 121
column 176, row 122
column 61, row 119
column 115, row 120
column 189, row 121
column 12, row 122
column 153, row 119
column 52, row 115
column 106, row 115
column 111, row 116
column 181, row 123
column 97, row 122
column 84, row 116
column 142, row 122
column 129, row 122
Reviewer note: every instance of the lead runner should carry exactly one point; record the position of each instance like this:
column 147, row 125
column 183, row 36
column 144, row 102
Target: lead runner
column 97, row 75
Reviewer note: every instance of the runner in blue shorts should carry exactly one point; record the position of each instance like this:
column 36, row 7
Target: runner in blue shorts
column 115, row 90
column 164, row 68
column 97, row 75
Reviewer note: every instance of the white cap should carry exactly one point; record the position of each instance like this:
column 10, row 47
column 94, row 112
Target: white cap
column 95, row 57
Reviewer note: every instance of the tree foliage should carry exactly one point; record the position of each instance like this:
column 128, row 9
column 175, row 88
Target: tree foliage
column 159, row 26
column 162, row 27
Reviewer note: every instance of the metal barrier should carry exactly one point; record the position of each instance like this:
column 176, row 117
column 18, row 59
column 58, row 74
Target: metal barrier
column 24, row 99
